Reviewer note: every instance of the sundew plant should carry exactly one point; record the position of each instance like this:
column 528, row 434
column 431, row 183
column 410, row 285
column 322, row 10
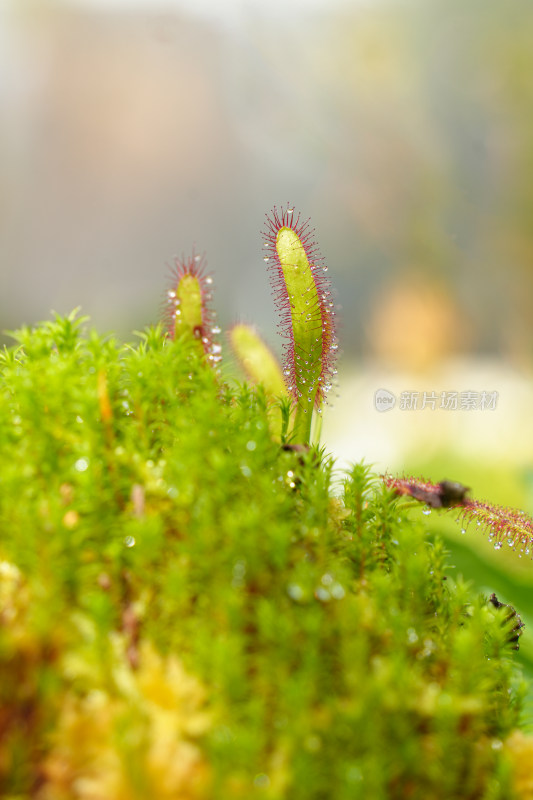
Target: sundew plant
column 189, row 611
column 302, row 293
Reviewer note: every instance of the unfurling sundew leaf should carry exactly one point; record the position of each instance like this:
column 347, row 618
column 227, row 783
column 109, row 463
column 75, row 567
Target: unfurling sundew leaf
column 504, row 525
column 303, row 296
column 188, row 309
column 256, row 358
column 262, row 367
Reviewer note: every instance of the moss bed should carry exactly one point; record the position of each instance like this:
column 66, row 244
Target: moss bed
column 188, row 610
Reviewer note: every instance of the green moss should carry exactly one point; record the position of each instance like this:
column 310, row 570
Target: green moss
column 188, row 603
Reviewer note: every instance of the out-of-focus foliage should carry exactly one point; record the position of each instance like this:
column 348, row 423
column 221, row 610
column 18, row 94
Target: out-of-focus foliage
column 187, row 612
column 403, row 127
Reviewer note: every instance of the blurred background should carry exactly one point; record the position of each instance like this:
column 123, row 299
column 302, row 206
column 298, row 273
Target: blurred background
column 132, row 131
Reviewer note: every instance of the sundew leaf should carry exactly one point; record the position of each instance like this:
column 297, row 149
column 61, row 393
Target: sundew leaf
column 303, row 296
column 263, row 368
column 504, row 525
column 257, row 360
column 188, row 305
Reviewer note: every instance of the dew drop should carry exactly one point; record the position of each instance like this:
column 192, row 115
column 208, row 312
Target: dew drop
column 295, row 592
column 129, row 541
column 216, row 348
column 216, row 329
column 209, row 280
column 171, row 293
column 81, row 464
column 266, row 258
column 324, row 269
column 426, row 511
column 463, row 530
column 290, row 210
column 286, row 372
column 197, row 258
column 261, row 781
column 412, row 635
column 337, row 591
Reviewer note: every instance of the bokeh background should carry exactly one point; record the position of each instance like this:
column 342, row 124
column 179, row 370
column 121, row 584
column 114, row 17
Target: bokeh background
column 131, row 132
